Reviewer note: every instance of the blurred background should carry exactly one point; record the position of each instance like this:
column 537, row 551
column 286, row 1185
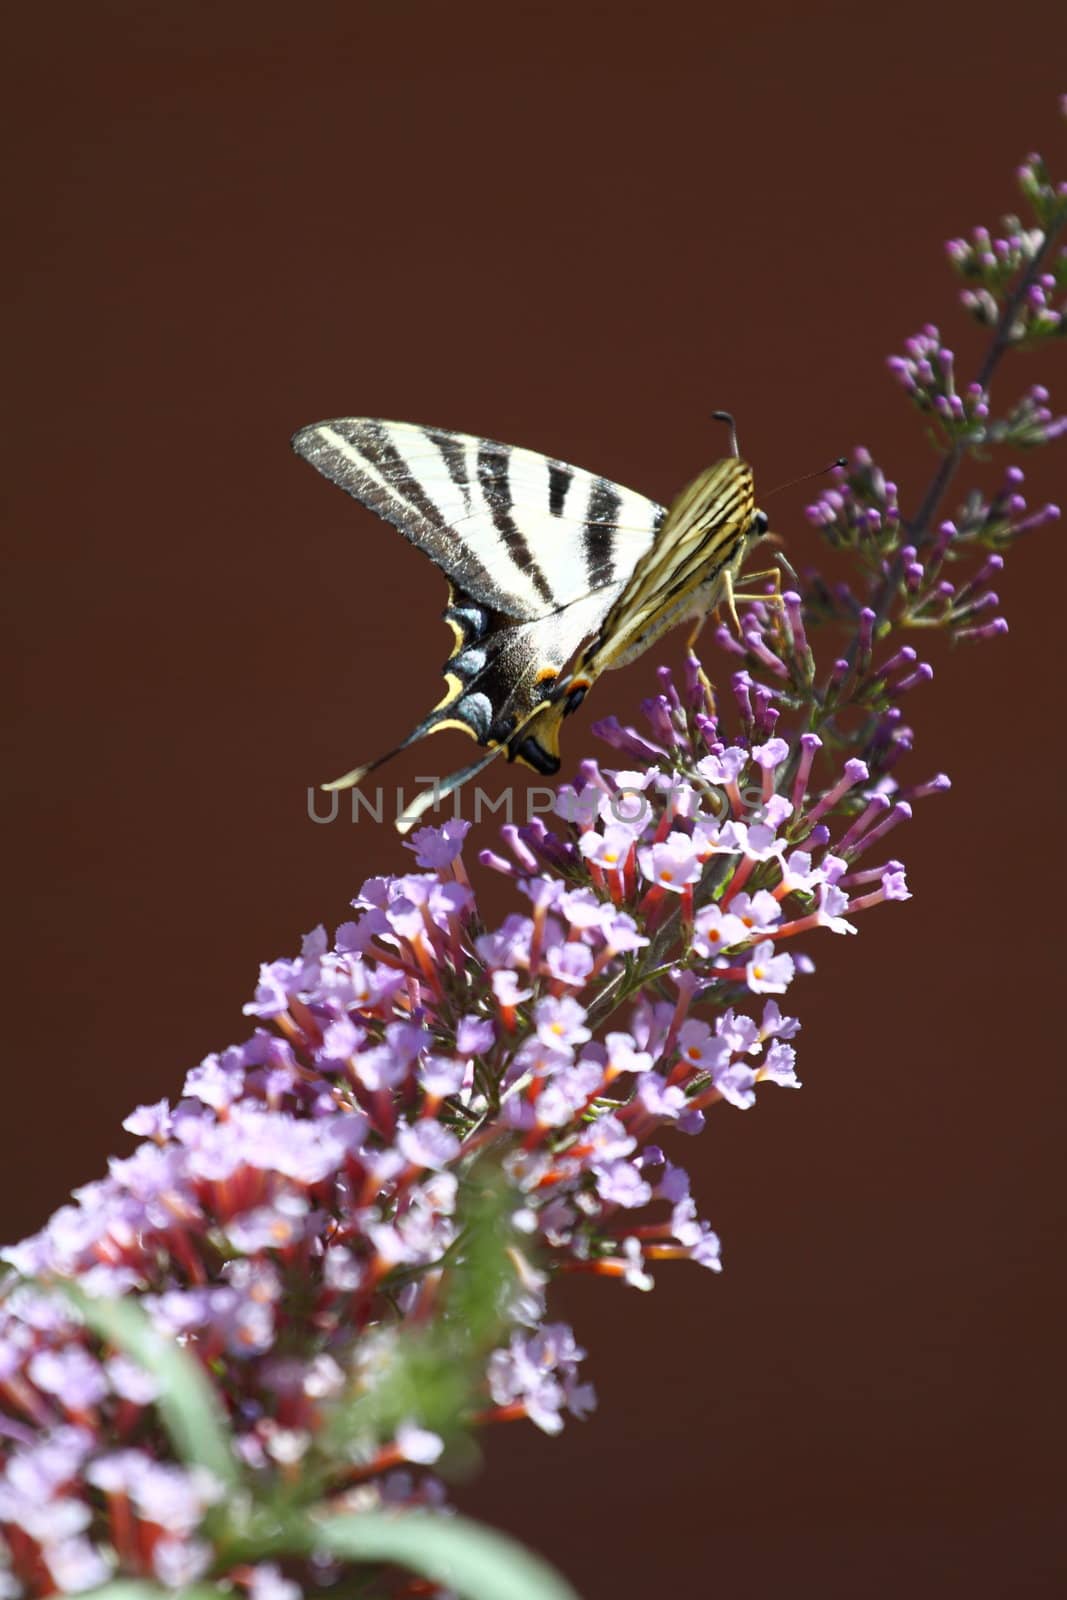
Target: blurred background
column 579, row 227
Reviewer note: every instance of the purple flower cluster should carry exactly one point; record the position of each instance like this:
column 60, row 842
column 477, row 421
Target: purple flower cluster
column 1014, row 285
column 926, row 373
column 302, row 1194
column 990, row 264
column 299, row 1219
column 859, row 511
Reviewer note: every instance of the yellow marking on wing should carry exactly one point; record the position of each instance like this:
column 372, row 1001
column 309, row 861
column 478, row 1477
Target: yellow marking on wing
column 544, row 724
column 453, row 689
column 462, row 727
column 458, row 636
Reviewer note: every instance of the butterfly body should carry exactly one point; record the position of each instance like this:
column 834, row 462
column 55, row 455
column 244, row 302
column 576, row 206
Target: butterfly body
column 555, row 575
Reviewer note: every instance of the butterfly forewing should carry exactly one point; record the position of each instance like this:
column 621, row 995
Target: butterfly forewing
column 704, row 536
column 517, row 531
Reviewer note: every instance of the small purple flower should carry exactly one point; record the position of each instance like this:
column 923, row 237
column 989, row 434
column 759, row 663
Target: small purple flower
column 427, row 1144
column 441, row 1076
column 274, row 1227
column 755, row 912
column 566, row 1093
column 131, row 1381
column 622, row 935
column 508, row 988
column 272, row 990
column 76, row 1565
column 673, row 864
column 537, row 1059
column 474, row 1036
column 778, row 1065
column 774, row 1025
column 624, row 1056
column 659, row 1098
column 150, row 1122
column 895, row 883
column 438, row 848
column 767, row 973
column 700, row 1048
column 569, row 963
column 539, row 1371
column 620, row 1184
column 608, row 1140
column 832, row 902
column 583, row 910
column 724, row 766
column 561, row 1022
column 608, row 850
column 798, row 874
column 340, row 1040
column 717, row 930
column 770, row 755
column 736, row 1083
column 509, row 946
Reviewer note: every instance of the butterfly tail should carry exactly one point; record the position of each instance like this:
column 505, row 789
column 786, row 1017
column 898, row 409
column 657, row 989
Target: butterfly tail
column 442, row 789
column 351, row 780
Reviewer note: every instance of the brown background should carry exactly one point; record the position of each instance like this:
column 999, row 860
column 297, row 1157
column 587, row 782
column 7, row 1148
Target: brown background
column 578, row 227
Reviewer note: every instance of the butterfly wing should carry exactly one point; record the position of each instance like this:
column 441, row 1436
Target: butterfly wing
column 704, row 537
column 518, row 532
column 536, row 552
column 494, row 689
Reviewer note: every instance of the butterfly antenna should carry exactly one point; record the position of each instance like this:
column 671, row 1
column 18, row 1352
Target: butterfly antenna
column 725, row 416
column 805, row 477
column 441, row 791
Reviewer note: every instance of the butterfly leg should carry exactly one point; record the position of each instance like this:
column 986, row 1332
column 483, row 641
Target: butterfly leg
column 702, row 677
column 773, row 599
column 730, row 598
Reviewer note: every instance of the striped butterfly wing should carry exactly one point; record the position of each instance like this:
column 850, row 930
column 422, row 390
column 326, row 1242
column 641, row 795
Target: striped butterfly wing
column 704, row 538
column 536, row 553
column 517, row 531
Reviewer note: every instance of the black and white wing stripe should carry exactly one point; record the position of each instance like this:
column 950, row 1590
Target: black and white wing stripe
column 515, row 530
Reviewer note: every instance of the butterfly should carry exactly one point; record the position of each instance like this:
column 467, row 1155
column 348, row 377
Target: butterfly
column 555, row 574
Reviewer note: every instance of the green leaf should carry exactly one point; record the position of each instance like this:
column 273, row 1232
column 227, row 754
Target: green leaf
column 137, row 1589
column 475, row 1561
column 187, row 1403
column 434, row 1372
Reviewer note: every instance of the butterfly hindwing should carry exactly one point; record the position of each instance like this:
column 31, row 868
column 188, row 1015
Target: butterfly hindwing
column 502, row 671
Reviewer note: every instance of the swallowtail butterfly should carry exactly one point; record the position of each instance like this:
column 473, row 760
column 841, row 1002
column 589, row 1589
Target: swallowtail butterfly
column 555, row 575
